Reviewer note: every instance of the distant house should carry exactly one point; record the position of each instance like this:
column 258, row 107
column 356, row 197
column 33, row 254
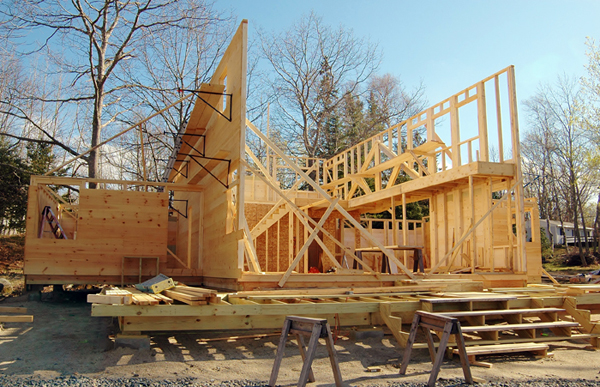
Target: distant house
column 557, row 235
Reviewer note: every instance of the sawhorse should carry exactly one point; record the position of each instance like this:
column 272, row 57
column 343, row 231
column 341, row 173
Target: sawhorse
column 448, row 326
column 314, row 328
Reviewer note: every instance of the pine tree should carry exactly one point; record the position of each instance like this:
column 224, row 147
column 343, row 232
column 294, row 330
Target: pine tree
column 13, row 190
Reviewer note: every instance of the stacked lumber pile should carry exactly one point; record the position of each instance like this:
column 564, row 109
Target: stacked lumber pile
column 193, row 295
column 180, row 293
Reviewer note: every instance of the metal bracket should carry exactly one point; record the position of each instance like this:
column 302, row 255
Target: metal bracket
column 186, row 165
column 197, row 92
column 193, row 157
column 171, row 200
column 202, row 155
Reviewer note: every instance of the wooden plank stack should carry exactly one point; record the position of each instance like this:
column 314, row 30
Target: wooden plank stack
column 192, row 295
column 185, row 294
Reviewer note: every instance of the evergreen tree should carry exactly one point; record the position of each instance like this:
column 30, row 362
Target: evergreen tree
column 13, row 190
column 39, row 158
column 16, row 173
column 328, row 120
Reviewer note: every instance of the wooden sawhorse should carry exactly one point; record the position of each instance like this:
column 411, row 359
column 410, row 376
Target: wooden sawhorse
column 447, row 325
column 314, row 328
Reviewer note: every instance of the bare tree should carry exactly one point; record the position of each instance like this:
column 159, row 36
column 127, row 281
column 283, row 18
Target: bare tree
column 171, row 61
column 560, row 110
column 301, row 58
column 387, row 101
column 591, row 87
column 89, row 43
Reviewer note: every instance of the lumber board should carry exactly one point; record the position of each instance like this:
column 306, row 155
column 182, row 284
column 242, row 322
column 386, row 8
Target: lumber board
column 16, row 318
column 202, row 291
column 507, row 327
column 484, row 298
column 177, row 295
column 231, row 310
column 504, row 348
column 394, row 323
column 515, row 339
column 337, row 291
column 238, row 322
column 502, row 312
column 110, row 299
column 383, row 297
column 13, row 309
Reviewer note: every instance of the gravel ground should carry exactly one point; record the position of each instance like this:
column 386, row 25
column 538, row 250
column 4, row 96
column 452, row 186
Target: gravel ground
column 66, row 347
column 82, row 381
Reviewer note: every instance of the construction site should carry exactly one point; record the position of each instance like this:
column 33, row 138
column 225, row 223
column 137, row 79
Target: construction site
column 248, row 240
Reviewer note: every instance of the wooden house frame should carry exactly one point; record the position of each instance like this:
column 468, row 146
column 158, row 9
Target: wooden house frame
column 225, row 218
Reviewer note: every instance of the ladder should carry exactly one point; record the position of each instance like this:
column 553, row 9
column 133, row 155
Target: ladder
column 49, row 217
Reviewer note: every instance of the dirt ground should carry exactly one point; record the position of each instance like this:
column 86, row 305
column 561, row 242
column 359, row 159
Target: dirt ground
column 65, row 340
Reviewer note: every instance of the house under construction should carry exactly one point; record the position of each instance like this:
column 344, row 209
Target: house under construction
column 224, row 218
column 289, row 235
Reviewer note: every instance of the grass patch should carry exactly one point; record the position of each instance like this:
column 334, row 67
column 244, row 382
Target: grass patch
column 556, row 262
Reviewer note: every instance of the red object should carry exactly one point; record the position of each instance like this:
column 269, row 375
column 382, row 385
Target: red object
column 313, row 270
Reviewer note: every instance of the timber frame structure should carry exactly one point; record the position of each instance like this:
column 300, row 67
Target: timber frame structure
column 224, row 218
column 285, row 235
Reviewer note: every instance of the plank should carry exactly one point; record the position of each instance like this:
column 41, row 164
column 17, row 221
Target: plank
column 310, row 239
column 202, row 291
column 507, row 327
column 179, row 296
column 109, row 299
column 12, row 309
column 502, row 312
column 16, row 318
column 484, row 298
column 504, row 348
column 337, row 291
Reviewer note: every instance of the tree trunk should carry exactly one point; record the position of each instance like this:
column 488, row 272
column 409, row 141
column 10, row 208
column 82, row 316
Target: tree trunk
column 94, row 158
column 587, row 246
column 576, row 221
column 597, row 224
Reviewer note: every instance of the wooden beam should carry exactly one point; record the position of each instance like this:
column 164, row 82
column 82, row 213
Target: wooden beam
column 554, row 281
column 303, row 217
column 13, row 309
column 250, row 247
column 516, row 145
column 474, row 238
column 340, row 209
column 482, row 122
column 16, row 319
column 177, row 258
column 424, row 170
column 393, row 323
column 81, row 181
column 307, row 243
column 468, row 232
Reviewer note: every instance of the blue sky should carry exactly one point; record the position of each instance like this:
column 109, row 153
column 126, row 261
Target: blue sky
column 450, row 45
